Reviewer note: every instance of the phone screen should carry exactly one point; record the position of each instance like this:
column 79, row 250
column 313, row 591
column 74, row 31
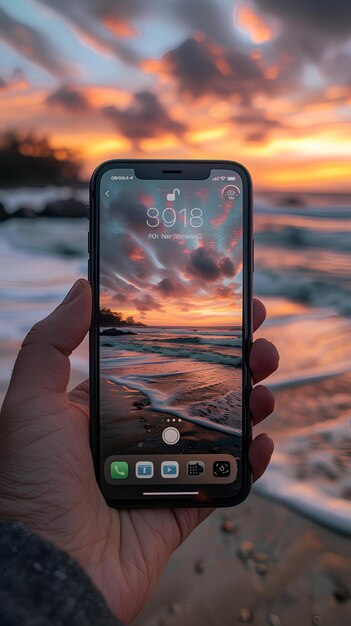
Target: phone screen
column 170, row 331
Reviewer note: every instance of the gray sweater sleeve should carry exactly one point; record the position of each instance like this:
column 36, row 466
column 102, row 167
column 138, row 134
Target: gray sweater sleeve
column 41, row 585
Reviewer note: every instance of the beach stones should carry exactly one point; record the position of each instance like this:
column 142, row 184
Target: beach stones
column 261, row 557
column 228, row 526
column 139, row 404
column 341, row 594
column 199, row 566
column 261, row 562
column 245, row 616
column 261, row 569
column 245, row 550
column 274, row 620
column 175, row 609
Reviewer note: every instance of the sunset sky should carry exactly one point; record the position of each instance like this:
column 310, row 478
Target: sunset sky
column 265, row 82
column 193, row 281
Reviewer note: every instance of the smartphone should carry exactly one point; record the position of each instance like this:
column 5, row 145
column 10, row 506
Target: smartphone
column 171, row 261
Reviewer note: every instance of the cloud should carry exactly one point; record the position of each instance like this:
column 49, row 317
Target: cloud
column 92, row 20
column 204, row 264
column 69, row 98
column 214, row 70
column 256, row 124
column 226, row 267
column 224, row 292
column 130, row 212
column 145, row 118
column 33, row 45
column 214, row 18
column 324, row 20
column 145, row 302
column 170, row 288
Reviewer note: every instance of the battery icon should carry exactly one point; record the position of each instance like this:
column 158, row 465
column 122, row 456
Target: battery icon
column 231, row 178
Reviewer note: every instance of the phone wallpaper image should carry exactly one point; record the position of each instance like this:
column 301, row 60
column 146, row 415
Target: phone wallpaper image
column 171, row 315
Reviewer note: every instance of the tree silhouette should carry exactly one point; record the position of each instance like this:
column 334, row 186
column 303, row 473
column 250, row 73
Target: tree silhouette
column 27, row 159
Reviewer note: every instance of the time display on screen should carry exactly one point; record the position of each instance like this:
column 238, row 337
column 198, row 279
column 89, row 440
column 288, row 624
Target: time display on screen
column 169, row 217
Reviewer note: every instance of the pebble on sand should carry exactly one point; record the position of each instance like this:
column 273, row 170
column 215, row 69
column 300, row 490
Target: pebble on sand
column 261, row 569
column 245, row 616
column 341, row 594
column 228, row 526
column 199, row 566
column 274, row 620
column 245, row 550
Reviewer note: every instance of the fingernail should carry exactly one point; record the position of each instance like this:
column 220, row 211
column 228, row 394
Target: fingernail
column 73, row 293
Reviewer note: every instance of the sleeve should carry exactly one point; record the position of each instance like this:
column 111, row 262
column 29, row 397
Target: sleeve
column 41, row 585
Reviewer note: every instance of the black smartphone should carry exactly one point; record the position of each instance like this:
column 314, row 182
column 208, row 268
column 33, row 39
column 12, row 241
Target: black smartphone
column 171, row 261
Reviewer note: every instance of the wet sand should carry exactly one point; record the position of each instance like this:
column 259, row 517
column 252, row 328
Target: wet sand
column 262, row 562
column 259, row 563
column 120, row 406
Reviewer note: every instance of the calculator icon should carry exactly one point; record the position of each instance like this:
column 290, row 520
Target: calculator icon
column 195, row 468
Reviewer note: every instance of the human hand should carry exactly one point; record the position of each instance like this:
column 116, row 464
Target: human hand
column 47, row 478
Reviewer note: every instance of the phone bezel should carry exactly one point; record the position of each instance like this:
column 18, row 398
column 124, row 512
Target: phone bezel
column 154, row 168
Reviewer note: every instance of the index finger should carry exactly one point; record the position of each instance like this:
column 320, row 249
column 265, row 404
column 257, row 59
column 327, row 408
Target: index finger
column 259, row 313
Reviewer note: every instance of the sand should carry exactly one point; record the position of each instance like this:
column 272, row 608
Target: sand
column 271, row 566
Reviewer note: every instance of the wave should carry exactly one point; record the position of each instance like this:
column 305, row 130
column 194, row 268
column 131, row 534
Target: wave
column 319, row 493
column 184, row 353
column 231, row 343
column 327, row 212
column 299, row 237
column 161, row 402
column 303, row 286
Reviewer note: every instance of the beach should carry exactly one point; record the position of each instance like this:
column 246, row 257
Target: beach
column 260, row 563
column 300, row 510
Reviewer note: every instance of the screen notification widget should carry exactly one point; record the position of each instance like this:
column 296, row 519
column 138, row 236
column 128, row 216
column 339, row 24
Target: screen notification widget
column 144, row 469
column 170, row 469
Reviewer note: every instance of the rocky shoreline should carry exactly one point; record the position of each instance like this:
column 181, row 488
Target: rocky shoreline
column 69, row 207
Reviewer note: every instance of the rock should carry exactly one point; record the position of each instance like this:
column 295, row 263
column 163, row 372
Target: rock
column 25, row 211
column 139, row 404
column 228, row 526
column 245, row 550
column 175, row 608
column 274, row 620
column 3, row 213
column 115, row 332
column 261, row 557
column 292, row 201
column 261, row 568
column 245, row 616
column 199, row 566
column 65, row 208
column 341, row 594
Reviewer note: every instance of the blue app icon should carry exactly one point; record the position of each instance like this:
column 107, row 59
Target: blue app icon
column 169, row 469
column 144, row 469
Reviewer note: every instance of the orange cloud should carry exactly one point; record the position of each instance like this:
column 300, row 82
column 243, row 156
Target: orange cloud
column 253, row 24
column 119, row 28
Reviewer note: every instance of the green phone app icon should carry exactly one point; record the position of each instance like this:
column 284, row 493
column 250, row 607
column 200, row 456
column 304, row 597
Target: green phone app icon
column 119, row 470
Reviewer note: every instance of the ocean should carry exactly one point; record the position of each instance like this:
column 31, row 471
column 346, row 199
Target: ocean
column 302, row 273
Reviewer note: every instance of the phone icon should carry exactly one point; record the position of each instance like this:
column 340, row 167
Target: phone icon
column 119, row 470
column 172, row 196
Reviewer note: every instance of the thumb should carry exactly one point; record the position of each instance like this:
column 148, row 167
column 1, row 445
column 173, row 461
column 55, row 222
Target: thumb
column 42, row 365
